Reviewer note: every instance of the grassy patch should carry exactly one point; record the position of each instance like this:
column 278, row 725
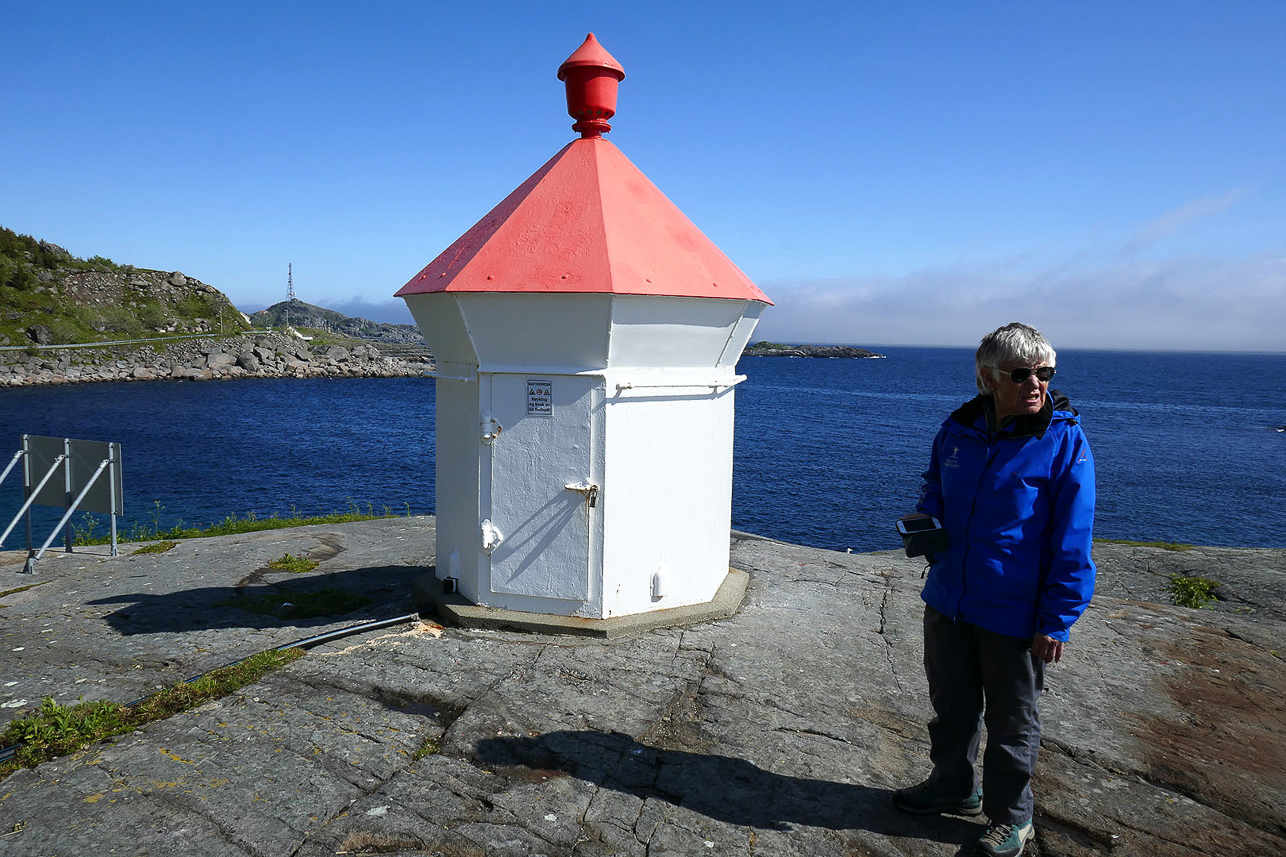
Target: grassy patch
column 293, row 564
column 299, row 605
column 1194, row 592
column 18, row 589
column 1169, row 546
column 56, row 730
column 84, row 533
column 158, row 547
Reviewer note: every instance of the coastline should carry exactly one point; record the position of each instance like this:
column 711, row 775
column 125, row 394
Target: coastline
column 249, row 355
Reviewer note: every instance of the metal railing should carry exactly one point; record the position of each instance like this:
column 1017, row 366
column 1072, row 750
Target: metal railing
column 109, row 344
column 45, row 457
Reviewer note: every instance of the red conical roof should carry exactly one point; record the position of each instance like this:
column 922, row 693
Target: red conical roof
column 587, row 221
column 593, row 55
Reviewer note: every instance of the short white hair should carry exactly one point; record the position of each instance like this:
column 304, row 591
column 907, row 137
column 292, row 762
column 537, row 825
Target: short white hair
column 1015, row 341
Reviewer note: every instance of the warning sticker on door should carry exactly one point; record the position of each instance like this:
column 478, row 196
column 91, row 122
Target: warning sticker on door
column 540, row 398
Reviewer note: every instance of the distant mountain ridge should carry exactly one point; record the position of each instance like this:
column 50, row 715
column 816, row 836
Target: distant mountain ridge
column 305, row 315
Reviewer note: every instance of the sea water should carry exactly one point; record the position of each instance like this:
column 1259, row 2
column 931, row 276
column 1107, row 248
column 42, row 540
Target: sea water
column 828, row 453
column 1187, row 447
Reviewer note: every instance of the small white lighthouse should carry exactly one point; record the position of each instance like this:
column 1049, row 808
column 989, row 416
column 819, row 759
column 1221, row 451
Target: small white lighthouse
column 586, row 336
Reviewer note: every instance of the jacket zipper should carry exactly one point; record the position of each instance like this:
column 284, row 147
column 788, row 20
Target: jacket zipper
column 992, row 446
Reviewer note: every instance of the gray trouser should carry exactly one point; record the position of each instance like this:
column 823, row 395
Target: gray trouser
column 971, row 670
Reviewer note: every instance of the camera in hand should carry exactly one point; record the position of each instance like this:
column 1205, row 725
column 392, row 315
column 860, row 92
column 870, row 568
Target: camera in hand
column 922, row 536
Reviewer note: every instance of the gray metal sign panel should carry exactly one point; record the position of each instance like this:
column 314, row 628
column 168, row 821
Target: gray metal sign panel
column 106, row 495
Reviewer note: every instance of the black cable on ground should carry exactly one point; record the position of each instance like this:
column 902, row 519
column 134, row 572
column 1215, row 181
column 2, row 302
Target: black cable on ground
column 307, row 643
column 373, row 625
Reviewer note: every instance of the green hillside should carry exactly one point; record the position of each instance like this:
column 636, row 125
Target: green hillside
column 50, row 297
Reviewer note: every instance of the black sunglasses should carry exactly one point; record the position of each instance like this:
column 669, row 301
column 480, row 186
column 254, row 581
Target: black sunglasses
column 1022, row 373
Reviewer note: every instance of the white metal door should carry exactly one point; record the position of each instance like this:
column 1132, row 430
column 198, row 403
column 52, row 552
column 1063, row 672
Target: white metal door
column 539, row 460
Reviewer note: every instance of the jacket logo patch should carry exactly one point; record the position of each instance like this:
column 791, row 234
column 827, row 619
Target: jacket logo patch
column 952, row 460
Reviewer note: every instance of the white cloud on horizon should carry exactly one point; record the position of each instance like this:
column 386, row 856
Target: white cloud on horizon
column 1179, row 304
column 1103, row 295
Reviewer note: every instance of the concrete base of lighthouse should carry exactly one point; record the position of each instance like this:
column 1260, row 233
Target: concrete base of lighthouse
column 458, row 610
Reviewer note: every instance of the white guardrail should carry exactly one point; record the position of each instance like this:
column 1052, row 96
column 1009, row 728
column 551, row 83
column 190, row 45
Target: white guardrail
column 113, row 342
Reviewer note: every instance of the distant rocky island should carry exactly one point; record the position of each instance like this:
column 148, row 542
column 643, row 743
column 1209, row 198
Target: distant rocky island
column 776, row 349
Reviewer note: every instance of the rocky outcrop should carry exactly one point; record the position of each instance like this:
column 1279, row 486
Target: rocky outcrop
column 159, row 301
column 264, row 355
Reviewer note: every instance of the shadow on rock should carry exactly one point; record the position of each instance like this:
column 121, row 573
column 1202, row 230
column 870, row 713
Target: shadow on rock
column 722, row 788
column 208, row 608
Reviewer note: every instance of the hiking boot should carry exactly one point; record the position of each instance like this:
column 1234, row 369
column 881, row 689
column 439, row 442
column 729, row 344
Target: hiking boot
column 924, row 799
column 1004, row 840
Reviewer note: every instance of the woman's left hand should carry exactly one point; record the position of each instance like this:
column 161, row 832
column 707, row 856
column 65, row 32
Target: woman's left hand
column 1047, row 648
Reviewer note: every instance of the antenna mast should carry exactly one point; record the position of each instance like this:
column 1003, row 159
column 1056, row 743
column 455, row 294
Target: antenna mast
column 290, row 289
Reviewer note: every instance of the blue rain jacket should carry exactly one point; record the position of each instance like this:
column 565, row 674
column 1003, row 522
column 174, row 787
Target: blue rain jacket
column 1018, row 507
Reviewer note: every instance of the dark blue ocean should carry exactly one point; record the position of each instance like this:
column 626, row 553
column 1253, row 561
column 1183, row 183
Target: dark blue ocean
column 828, row 452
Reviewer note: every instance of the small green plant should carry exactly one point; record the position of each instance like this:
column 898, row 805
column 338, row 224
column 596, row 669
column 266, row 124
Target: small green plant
column 428, row 747
column 293, row 564
column 287, row 603
column 1194, row 592
column 56, row 730
column 82, row 532
column 158, row 547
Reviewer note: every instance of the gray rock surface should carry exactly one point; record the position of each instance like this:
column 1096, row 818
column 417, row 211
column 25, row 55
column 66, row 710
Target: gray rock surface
column 780, row 731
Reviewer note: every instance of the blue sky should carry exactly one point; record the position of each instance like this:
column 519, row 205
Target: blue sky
column 889, row 173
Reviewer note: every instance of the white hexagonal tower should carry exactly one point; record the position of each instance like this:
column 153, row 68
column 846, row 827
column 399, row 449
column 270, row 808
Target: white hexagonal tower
column 586, row 336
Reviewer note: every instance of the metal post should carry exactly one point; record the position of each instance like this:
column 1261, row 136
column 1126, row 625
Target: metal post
column 26, row 487
column 113, row 475
column 66, row 496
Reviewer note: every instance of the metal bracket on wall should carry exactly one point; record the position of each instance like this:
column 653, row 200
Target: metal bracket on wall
column 491, row 429
column 589, row 489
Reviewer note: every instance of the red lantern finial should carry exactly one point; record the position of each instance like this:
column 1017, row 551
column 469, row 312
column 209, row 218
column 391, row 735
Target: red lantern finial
column 591, row 76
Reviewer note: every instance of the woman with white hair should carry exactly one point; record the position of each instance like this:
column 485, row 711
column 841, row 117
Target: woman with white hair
column 1011, row 480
